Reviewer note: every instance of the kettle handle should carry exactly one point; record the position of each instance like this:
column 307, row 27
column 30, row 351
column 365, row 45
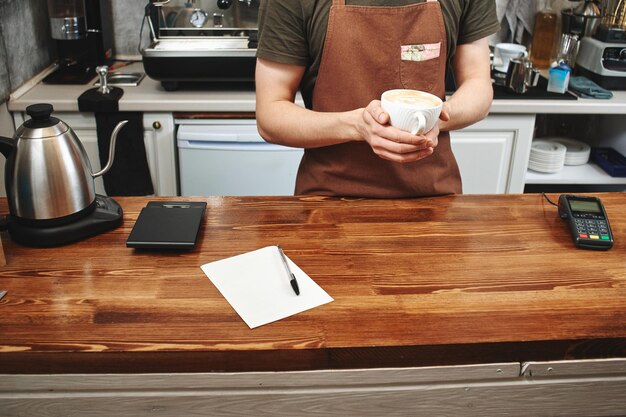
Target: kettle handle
column 7, row 145
column 109, row 164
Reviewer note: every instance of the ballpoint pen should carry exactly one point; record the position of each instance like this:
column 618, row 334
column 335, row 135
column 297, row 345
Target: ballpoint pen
column 290, row 275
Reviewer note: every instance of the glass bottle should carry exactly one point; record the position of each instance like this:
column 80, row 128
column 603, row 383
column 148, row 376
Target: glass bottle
column 544, row 33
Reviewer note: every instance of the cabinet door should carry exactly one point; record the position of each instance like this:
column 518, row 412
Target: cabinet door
column 484, row 160
column 160, row 145
column 493, row 154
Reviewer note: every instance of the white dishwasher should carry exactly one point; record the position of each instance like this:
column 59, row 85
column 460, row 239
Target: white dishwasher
column 229, row 157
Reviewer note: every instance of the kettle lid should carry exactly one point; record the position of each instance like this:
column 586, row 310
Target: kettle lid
column 41, row 124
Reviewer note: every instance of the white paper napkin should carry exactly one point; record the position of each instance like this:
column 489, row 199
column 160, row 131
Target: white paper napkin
column 257, row 286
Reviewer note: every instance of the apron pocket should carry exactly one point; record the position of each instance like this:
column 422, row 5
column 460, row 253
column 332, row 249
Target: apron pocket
column 419, row 66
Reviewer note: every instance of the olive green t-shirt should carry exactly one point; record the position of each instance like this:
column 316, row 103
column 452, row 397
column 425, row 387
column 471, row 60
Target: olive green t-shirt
column 293, row 31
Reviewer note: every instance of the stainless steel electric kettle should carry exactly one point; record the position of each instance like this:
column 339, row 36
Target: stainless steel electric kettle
column 48, row 176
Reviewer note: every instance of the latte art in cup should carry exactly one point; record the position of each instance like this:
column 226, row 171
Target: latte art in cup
column 413, row 111
column 412, row 97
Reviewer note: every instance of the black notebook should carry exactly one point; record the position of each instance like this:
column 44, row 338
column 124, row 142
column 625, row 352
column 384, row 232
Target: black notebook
column 167, row 225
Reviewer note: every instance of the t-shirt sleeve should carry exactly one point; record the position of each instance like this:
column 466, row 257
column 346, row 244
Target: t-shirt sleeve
column 479, row 20
column 282, row 37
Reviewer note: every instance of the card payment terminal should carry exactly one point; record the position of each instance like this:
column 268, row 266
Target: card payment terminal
column 587, row 221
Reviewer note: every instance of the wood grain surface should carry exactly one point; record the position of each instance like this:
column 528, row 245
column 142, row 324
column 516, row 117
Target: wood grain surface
column 433, row 281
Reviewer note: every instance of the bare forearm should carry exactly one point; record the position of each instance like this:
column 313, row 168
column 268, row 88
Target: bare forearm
column 472, row 100
column 469, row 104
column 286, row 123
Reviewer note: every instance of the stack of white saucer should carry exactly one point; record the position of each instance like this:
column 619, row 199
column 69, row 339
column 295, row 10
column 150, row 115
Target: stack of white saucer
column 547, row 156
column 577, row 152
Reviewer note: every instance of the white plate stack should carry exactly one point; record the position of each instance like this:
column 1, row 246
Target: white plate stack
column 577, row 152
column 547, row 156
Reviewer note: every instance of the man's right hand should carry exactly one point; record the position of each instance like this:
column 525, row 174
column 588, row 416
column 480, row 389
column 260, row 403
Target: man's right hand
column 391, row 143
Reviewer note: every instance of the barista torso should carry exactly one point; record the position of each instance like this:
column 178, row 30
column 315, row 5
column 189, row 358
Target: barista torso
column 293, row 32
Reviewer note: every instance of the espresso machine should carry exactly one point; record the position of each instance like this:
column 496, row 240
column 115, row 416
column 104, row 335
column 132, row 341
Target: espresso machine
column 602, row 56
column 201, row 41
column 83, row 33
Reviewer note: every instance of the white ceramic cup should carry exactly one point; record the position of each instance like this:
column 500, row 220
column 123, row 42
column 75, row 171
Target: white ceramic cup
column 411, row 110
column 504, row 52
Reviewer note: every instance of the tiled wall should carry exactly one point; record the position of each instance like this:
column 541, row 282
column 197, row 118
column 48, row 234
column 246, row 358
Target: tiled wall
column 127, row 18
column 4, row 70
column 26, row 47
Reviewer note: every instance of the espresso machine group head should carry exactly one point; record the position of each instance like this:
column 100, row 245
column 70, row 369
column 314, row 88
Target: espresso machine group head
column 82, row 30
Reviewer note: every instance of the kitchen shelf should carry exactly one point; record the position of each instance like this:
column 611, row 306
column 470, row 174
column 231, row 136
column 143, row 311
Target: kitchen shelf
column 589, row 173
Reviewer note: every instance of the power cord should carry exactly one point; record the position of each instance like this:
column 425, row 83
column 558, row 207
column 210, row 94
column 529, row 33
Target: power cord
column 548, row 199
column 147, row 16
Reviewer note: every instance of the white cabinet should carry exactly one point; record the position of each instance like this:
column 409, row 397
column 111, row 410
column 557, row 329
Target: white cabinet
column 493, row 153
column 158, row 140
column 158, row 136
column 229, row 157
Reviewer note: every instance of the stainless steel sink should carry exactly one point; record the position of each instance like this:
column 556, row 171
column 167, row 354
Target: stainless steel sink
column 123, row 79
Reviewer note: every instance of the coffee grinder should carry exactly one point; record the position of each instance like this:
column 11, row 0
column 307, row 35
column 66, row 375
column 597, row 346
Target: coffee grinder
column 84, row 38
column 602, row 56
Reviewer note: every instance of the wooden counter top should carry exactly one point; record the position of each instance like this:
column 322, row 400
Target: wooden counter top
column 434, row 281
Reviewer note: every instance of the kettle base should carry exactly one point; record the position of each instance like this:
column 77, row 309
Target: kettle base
column 106, row 216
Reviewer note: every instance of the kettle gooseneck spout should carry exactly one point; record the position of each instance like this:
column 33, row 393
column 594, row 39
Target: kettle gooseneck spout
column 113, row 141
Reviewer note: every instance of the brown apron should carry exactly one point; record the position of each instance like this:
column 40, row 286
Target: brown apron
column 370, row 49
